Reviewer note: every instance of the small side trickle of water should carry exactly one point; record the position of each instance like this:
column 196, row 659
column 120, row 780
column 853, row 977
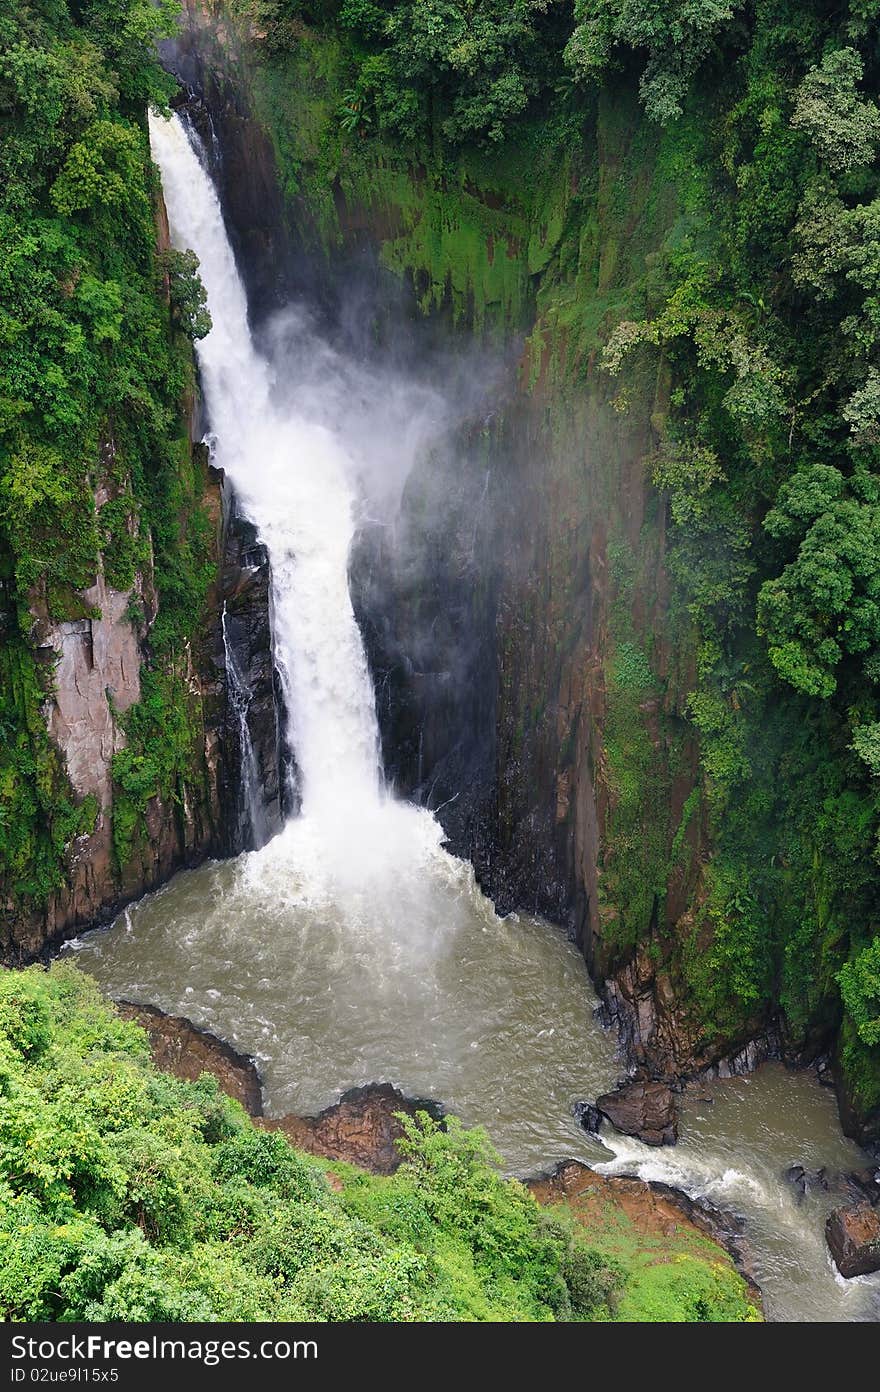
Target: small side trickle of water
column 239, row 696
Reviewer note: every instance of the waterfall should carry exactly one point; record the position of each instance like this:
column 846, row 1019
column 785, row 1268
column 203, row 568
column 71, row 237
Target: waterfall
column 293, row 480
column 352, row 947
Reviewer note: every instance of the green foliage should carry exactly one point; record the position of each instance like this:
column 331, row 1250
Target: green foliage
column 729, row 959
column 676, row 36
column 102, row 175
column 764, row 317
column 685, row 1290
column 859, row 982
column 127, row 1195
column 843, row 127
column 825, row 604
column 39, row 817
column 866, row 743
column 93, row 372
column 189, row 298
column 462, row 70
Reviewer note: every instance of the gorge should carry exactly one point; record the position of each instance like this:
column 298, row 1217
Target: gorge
column 353, row 946
column 465, row 687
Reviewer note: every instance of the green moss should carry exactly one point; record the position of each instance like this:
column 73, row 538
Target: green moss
column 860, row 1064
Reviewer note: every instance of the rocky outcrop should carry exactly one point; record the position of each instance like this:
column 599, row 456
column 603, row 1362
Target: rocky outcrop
column 259, row 779
column 804, row 1181
column 642, row 1108
column 853, row 1237
column 643, row 1004
column 654, row 1208
column 361, row 1128
column 587, row 1114
column 182, row 1048
column 862, row 1125
column 96, row 663
column 864, row 1184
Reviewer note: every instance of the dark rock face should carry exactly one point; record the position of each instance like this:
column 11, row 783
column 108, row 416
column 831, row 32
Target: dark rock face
column 182, row 1048
column 254, row 804
column 641, row 1003
column 860, row 1126
column 853, row 1237
column 588, row 1115
column 644, row 1109
column 864, row 1184
column 239, row 155
column 425, row 596
column 360, row 1128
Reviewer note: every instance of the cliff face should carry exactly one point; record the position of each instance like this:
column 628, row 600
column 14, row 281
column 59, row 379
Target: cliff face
column 534, row 671
column 94, row 669
column 97, row 665
column 256, row 798
column 530, row 678
column 534, row 652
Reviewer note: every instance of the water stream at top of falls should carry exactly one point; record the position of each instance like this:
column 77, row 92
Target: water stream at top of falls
column 352, row 948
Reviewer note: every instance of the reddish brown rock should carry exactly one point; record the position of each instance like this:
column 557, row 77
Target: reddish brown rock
column 853, row 1236
column 180, row 1047
column 360, row 1128
column 655, row 1209
column 644, row 1109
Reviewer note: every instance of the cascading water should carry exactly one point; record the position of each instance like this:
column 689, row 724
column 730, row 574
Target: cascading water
column 352, row 948
column 293, row 481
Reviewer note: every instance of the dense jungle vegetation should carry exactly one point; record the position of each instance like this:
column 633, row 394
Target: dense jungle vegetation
column 128, row 1195
column 95, row 363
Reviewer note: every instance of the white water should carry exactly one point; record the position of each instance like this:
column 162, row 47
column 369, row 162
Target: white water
column 295, row 480
column 352, row 948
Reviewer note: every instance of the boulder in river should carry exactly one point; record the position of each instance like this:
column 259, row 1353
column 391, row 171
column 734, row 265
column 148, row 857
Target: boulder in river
column 589, row 1116
column 803, row 1180
column 644, row 1109
column 182, row 1048
column 361, row 1127
column 853, row 1236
